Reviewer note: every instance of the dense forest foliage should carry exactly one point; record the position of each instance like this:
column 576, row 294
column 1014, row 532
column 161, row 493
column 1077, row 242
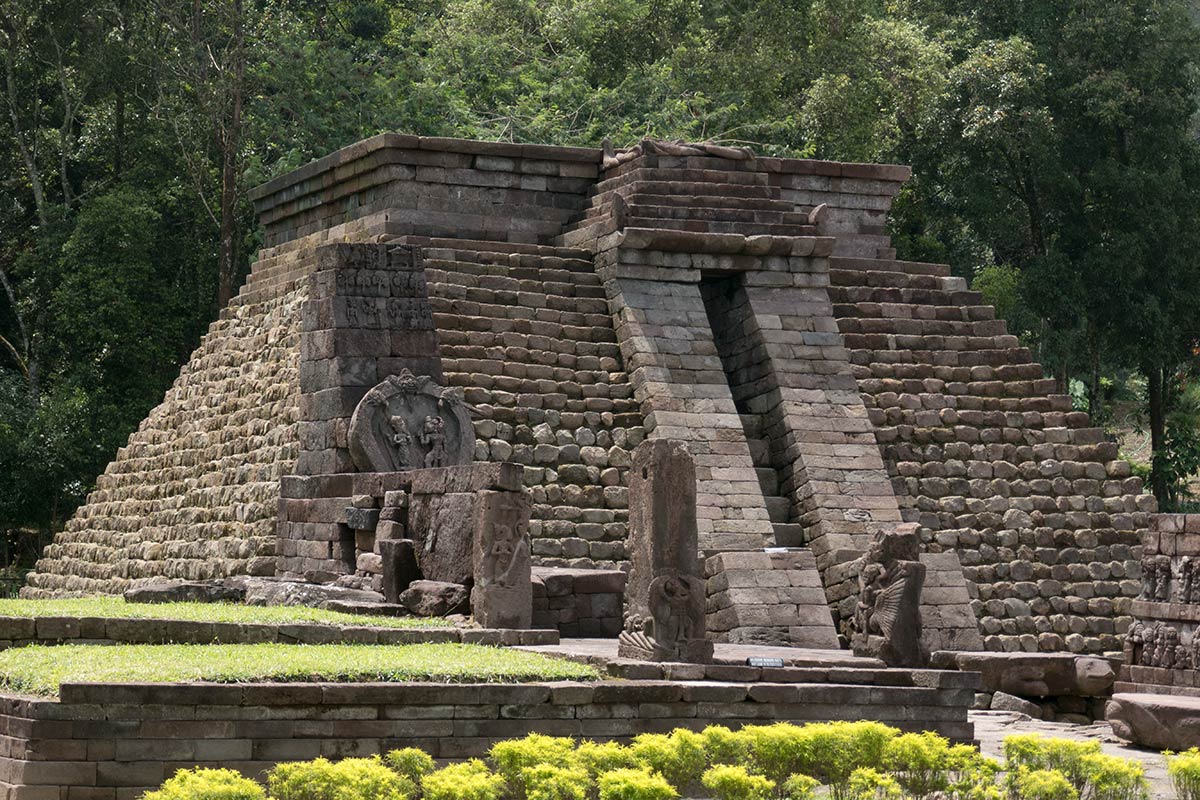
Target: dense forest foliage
column 1053, row 141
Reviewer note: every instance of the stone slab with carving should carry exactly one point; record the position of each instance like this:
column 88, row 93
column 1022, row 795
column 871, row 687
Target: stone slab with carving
column 665, row 594
column 1161, row 721
column 887, row 620
column 410, row 422
column 502, row 596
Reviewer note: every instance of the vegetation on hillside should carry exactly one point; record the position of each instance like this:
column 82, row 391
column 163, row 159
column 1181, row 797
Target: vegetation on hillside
column 1053, row 141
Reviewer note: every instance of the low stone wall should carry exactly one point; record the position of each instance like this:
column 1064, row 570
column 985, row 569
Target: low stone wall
column 111, row 742
column 579, row 602
column 19, row 631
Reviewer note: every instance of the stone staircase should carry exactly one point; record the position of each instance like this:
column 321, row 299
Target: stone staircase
column 693, row 194
column 788, row 531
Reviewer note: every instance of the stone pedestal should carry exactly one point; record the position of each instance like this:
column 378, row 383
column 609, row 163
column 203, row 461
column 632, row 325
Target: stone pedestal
column 665, row 594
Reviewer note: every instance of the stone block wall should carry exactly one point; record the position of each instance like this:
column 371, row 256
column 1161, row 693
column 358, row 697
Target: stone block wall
column 114, row 742
column 427, row 186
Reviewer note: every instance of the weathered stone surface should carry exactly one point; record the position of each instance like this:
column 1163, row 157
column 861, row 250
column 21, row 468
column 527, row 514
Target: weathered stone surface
column 399, row 557
column 665, row 595
column 409, row 422
column 1161, row 721
column 441, row 529
column 887, row 621
column 365, row 608
column 276, row 592
column 878, row 387
column 184, row 592
column 1034, row 674
column 502, row 596
column 1003, row 701
column 435, row 598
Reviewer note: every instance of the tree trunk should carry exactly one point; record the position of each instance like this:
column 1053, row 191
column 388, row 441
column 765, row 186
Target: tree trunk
column 1156, row 392
column 1095, row 396
column 230, row 145
column 27, row 153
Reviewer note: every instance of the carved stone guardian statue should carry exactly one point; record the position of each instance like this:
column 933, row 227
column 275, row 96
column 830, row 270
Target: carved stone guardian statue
column 887, row 621
column 665, row 593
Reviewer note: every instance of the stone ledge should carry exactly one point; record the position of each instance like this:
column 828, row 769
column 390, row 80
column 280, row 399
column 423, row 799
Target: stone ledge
column 721, row 243
column 21, row 631
column 1156, row 720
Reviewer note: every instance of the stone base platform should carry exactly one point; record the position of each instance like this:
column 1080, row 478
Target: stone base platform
column 114, row 741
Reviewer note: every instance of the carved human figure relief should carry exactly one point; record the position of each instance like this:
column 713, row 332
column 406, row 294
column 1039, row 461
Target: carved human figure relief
column 433, row 436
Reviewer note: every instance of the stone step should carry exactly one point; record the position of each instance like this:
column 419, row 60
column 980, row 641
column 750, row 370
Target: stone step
column 789, row 534
column 470, row 248
column 889, row 265
column 718, row 226
column 552, row 271
column 949, row 358
column 768, row 480
column 637, row 208
column 907, row 311
column 477, row 297
column 917, row 296
column 660, row 185
column 686, row 178
column 924, row 327
column 486, row 289
column 706, row 201
column 779, row 509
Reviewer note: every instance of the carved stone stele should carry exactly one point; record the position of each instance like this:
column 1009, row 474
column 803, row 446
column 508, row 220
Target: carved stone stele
column 887, row 621
column 502, row 596
column 665, row 592
column 410, row 422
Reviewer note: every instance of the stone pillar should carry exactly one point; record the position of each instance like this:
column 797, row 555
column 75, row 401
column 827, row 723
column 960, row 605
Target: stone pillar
column 665, row 594
column 502, row 596
column 367, row 317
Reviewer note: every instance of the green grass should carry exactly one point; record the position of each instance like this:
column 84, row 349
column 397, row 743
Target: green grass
column 201, row 612
column 42, row 669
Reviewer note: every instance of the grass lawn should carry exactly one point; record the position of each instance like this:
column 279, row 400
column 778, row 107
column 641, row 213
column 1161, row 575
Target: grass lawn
column 102, row 606
column 42, row 669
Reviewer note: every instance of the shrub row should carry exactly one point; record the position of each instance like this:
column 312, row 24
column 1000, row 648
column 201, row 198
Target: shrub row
column 851, row 760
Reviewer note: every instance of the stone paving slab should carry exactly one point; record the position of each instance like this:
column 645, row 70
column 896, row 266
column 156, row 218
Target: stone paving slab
column 606, row 649
column 992, row 726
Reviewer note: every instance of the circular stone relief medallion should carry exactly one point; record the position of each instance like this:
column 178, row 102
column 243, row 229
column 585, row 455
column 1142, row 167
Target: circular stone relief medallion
column 410, row 422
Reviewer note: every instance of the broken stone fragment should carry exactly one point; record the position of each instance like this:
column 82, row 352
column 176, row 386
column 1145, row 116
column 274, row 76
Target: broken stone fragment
column 184, row 592
column 435, row 598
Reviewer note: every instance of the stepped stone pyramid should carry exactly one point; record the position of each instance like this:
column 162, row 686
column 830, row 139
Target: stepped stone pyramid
column 584, row 300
